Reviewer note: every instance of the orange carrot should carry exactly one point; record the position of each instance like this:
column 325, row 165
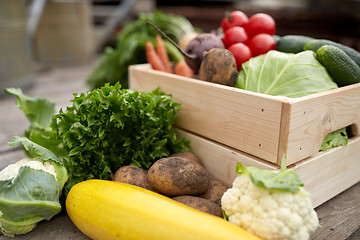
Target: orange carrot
column 152, row 57
column 163, row 55
column 182, row 69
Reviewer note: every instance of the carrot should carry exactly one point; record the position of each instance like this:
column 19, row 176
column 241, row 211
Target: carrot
column 153, row 58
column 163, row 55
column 182, row 69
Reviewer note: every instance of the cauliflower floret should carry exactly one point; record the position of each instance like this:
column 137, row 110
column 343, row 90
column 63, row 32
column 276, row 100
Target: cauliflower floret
column 267, row 213
column 12, row 170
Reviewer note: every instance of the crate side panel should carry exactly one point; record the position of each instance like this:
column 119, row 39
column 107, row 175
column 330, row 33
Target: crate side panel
column 331, row 172
column 325, row 174
column 248, row 122
column 312, row 118
column 220, row 160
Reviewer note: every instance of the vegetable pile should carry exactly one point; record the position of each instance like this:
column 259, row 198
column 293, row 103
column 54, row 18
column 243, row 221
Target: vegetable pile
column 113, row 133
column 105, row 129
column 181, row 177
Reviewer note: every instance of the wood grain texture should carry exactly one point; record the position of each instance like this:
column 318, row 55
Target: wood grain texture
column 312, row 117
column 264, row 126
column 241, row 119
column 325, row 175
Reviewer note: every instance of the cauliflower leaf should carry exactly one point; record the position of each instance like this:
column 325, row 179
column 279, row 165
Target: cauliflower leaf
column 285, row 180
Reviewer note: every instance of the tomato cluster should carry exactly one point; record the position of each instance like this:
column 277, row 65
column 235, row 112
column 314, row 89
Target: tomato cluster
column 248, row 37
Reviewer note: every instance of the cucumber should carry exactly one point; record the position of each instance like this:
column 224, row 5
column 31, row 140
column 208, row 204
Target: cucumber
column 292, row 43
column 315, row 44
column 340, row 66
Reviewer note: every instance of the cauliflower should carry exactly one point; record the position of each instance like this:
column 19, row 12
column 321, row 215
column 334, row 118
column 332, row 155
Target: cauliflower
column 12, row 170
column 269, row 204
column 30, row 189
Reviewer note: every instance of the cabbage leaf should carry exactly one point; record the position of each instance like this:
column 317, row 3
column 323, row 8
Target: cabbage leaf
column 285, row 74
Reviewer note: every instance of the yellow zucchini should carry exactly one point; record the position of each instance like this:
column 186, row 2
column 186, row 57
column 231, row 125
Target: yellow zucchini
column 112, row 210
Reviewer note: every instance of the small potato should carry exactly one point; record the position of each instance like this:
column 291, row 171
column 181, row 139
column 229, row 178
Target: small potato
column 218, row 66
column 187, row 155
column 132, row 175
column 175, row 176
column 215, row 191
column 201, row 204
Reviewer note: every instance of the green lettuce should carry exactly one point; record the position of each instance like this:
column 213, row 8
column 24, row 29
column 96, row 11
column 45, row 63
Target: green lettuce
column 33, row 194
column 291, row 75
column 105, row 129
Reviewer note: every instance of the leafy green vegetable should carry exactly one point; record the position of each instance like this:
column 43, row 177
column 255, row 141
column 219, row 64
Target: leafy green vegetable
column 111, row 127
column 130, row 48
column 285, row 74
column 29, row 194
column 38, row 111
column 291, row 75
column 335, row 139
column 285, row 180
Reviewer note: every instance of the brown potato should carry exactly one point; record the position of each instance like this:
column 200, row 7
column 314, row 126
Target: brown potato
column 218, row 66
column 132, row 175
column 201, row 204
column 175, row 176
column 187, row 155
column 215, row 191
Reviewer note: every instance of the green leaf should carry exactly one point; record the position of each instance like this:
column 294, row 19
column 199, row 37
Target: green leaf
column 39, row 111
column 33, row 195
column 285, row 74
column 335, row 139
column 111, row 127
column 35, row 149
column 285, row 180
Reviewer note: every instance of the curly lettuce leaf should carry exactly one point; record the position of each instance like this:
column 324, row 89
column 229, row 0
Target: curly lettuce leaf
column 111, row 127
column 335, row 139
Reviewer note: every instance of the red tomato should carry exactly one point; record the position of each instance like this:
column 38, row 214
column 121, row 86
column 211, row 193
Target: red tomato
column 261, row 44
column 232, row 19
column 235, row 35
column 260, row 23
column 241, row 52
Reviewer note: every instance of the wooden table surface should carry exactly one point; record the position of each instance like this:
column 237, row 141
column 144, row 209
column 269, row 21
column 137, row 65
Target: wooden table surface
column 339, row 217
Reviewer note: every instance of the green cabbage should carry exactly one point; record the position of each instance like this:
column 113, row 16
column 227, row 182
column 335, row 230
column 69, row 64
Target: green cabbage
column 33, row 194
column 285, row 74
column 291, row 75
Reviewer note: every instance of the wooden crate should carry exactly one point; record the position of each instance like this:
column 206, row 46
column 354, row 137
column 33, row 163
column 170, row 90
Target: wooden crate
column 325, row 174
column 258, row 124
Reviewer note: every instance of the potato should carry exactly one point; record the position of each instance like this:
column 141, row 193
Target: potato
column 218, row 66
column 215, row 191
column 132, row 175
column 187, row 155
column 201, row 204
column 175, row 176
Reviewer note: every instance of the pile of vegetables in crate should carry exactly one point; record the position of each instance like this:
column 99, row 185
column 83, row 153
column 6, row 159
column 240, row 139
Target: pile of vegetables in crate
column 114, row 160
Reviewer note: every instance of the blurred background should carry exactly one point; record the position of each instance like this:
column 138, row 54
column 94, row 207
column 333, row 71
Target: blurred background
column 36, row 35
